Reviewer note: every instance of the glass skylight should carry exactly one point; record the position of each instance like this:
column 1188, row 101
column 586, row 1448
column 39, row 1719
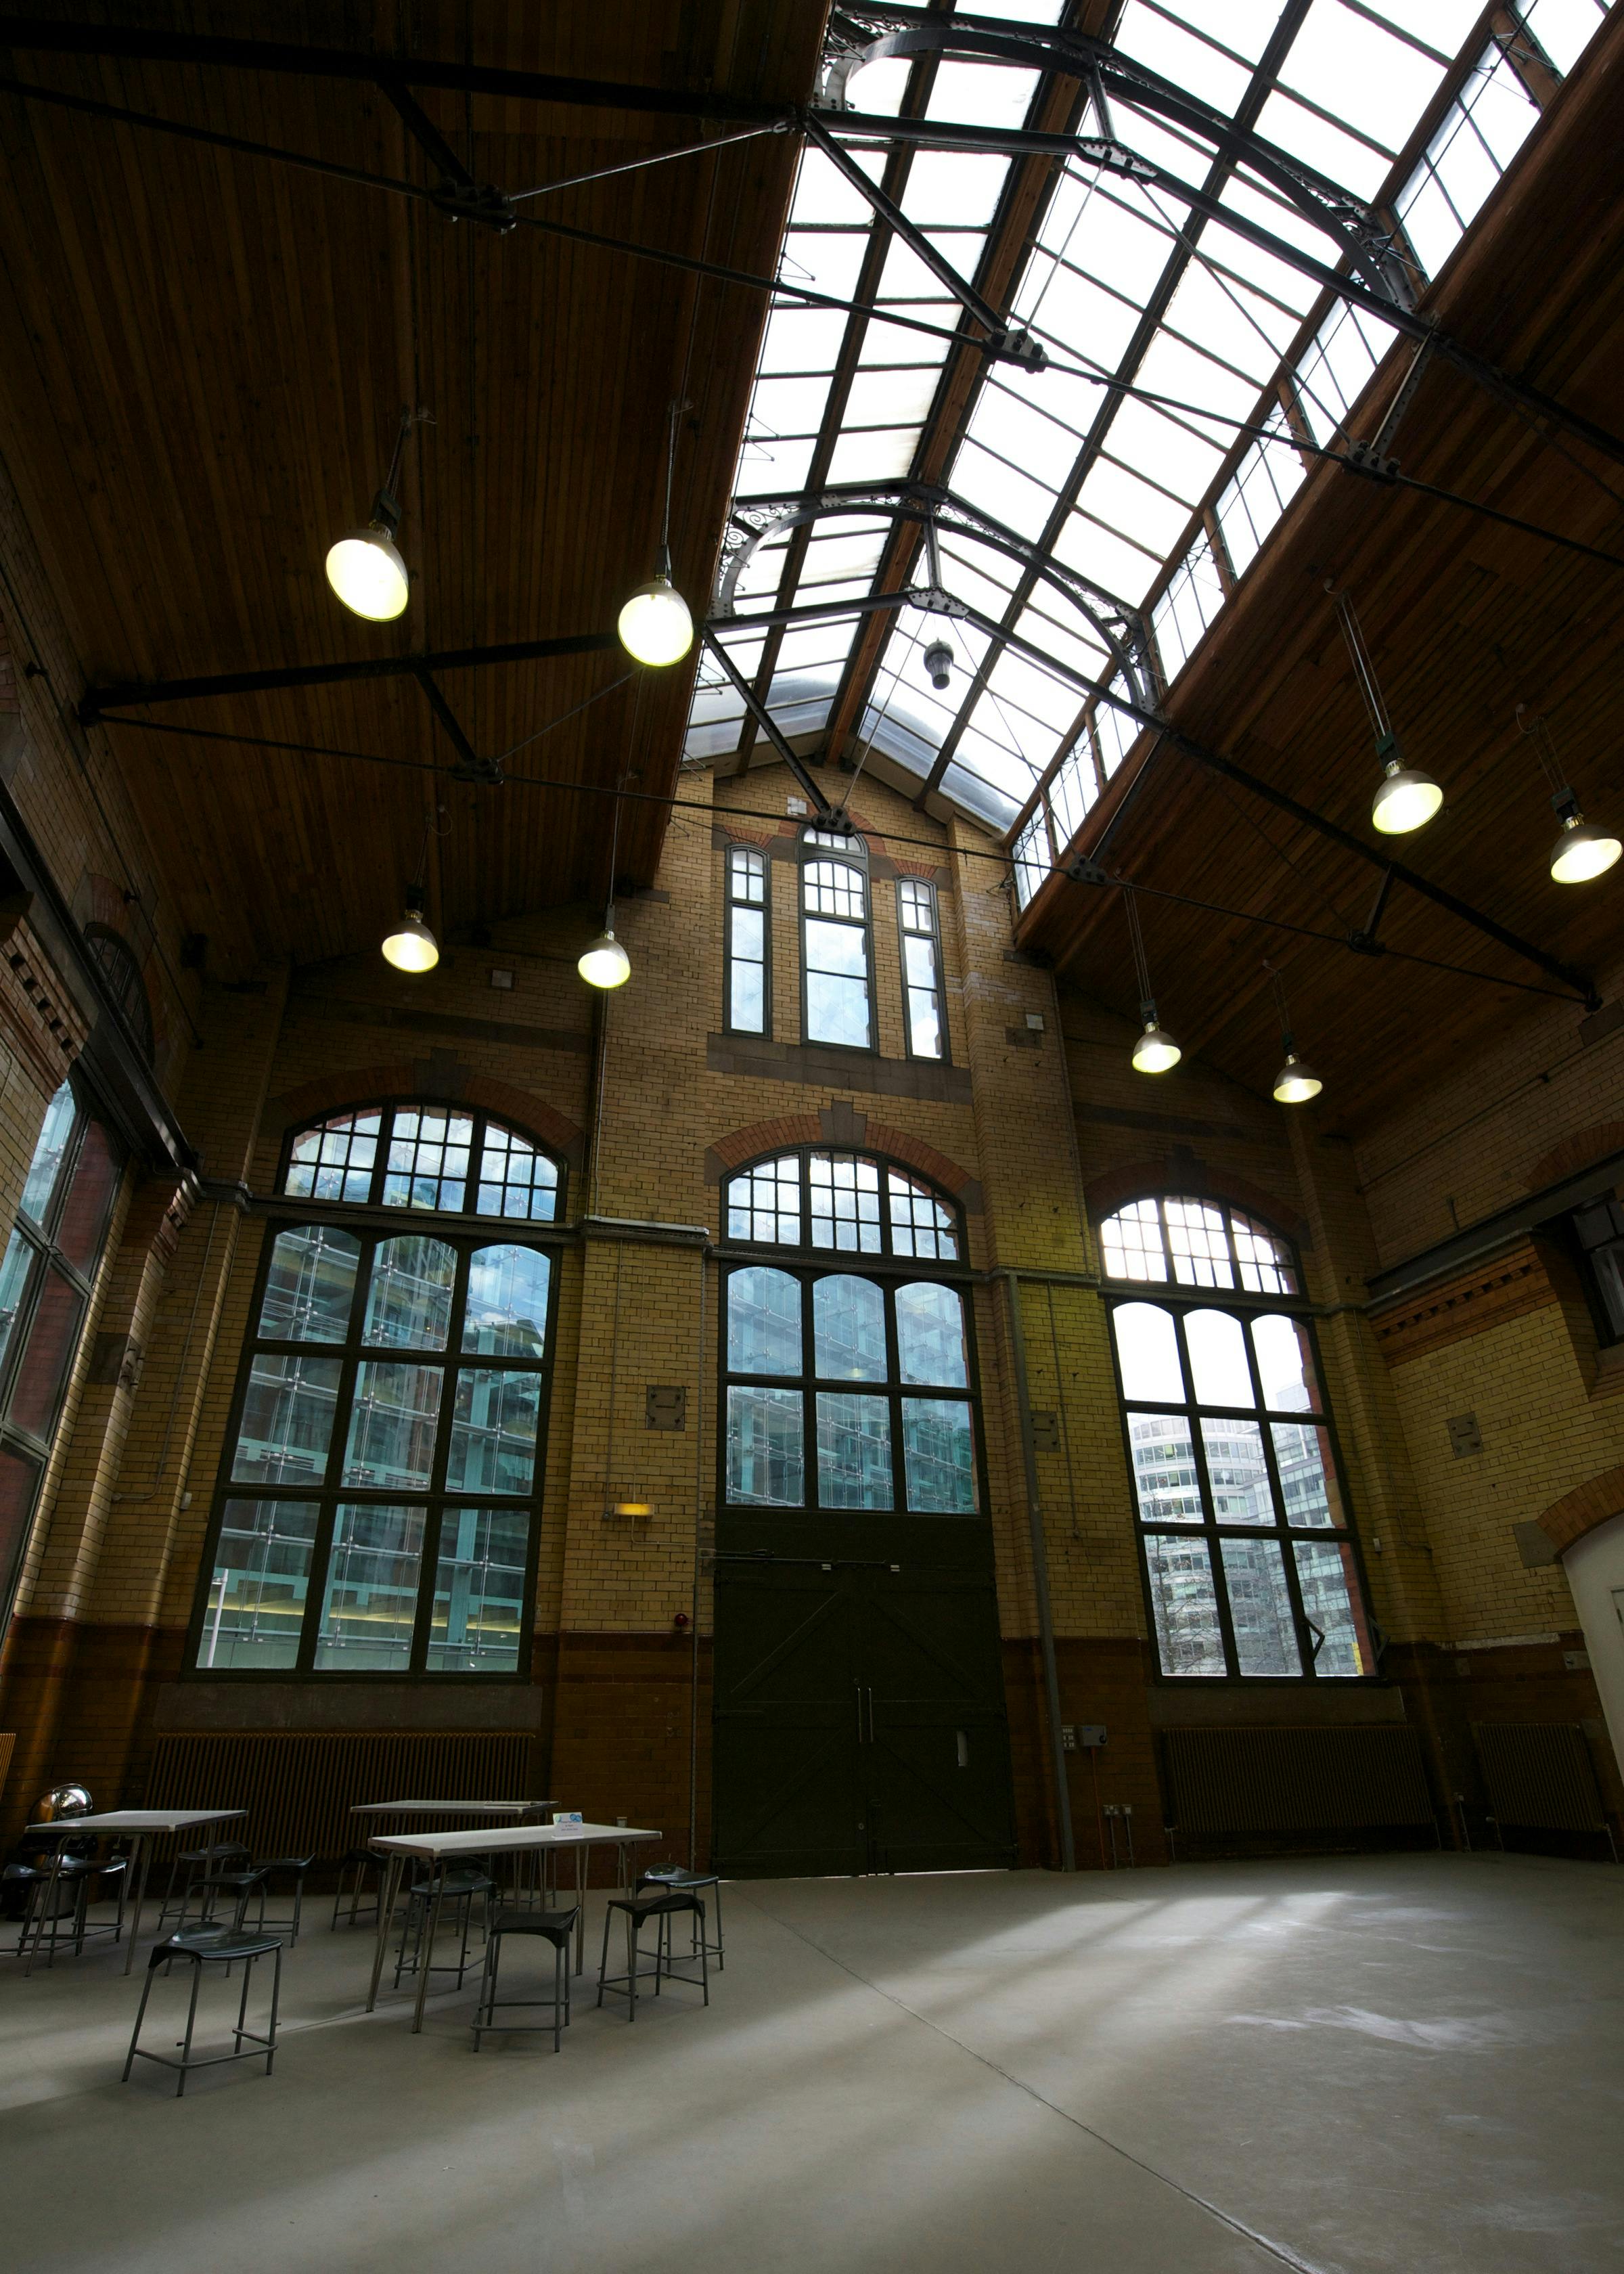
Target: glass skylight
column 1159, row 499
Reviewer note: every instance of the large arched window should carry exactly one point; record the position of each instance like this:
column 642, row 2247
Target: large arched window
column 1249, row 1561
column 376, row 1508
column 423, row 1156
column 837, row 961
column 115, row 960
column 46, row 1278
column 842, row 1390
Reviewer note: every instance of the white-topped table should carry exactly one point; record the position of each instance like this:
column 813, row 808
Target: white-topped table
column 140, row 1826
column 439, row 1848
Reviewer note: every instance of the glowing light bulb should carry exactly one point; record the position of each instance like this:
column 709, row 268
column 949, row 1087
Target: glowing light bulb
column 1404, row 800
column 605, row 963
column 368, row 574
column 1582, row 852
column 655, row 626
column 1155, row 1050
column 1297, row 1082
column 411, row 945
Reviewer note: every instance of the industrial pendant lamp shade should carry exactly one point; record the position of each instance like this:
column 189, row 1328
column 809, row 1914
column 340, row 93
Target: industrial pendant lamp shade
column 605, row 962
column 409, row 945
column 364, row 569
column 655, row 625
column 1155, row 1050
column 1297, row 1082
column 368, row 574
column 1582, row 852
column 1405, row 800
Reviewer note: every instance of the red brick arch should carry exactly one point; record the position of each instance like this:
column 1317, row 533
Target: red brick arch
column 361, row 1085
column 861, row 1136
column 1138, row 1180
column 1582, row 1509
column 1576, row 1153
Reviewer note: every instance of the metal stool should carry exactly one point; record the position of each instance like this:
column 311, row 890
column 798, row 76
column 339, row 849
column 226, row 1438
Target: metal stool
column 455, row 1887
column 662, row 1910
column 293, row 1867
column 360, row 1861
column 673, row 1875
column 213, row 1946
column 239, row 1884
column 72, row 1878
column 198, row 1861
column 555, row 1927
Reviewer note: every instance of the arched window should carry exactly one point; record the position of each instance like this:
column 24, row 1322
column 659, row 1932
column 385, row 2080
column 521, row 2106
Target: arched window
column 376, row 1508
column 922, row 999
column 46, row 1278
column 837, row 965
column 745, row 982
column 843, row 1391
column 423, row 1156
column 1249, row 1561
column 115, row 960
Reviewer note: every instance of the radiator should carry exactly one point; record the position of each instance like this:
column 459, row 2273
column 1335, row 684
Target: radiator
column 1305, row 1780
column 1539, row 1776
column 298, row 1788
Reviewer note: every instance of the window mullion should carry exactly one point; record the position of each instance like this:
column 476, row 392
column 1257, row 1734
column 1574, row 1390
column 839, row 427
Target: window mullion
column 1209, row 1512
column 811, row 1467
column 893, row 1377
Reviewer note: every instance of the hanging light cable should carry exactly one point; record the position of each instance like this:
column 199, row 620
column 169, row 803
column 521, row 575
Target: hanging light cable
column 1155, row 1050
column 364, row 569
column 1405, row 799
column 1297, row 1082
column 409, row 945
column 604, row 962
column 1582, row 851
column 655, row 626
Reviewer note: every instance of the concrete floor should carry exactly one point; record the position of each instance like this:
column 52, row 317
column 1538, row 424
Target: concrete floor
column 1412, row 2062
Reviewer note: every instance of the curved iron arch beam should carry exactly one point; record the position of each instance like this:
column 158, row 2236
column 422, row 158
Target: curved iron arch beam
column 1331, row 208
column 1120, row 628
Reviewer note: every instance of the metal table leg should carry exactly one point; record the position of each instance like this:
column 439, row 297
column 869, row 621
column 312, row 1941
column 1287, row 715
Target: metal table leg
column 138, row 1863
column 48, row 1910
column 388, row 1893
column 581, row 1909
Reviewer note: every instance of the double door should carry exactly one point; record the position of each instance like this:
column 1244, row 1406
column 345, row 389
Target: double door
column 859, row 1720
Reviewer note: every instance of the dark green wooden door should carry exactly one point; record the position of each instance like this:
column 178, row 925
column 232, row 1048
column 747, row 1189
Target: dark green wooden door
column 860, row 1722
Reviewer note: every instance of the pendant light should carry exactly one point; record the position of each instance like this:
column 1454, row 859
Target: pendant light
column 1297, row 1082
column 1582, row 851
column 365, row 567
column 655, row 625
column 603, row 963
column 1405, row 799
column 409, row 945
column 1155, row 1051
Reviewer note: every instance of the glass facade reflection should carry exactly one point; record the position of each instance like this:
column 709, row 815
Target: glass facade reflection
column 380, row 1508
column 1230, row 1455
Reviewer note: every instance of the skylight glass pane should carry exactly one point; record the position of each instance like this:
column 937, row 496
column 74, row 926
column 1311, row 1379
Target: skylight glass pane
column 1243, row 26
column 1180, row 460
column 1348, row 161
column 879, row 456
column 803, row 339
column 1065, row 634
column 1193, row 598
column 1066, row 308
column 984, row 799
column 1337, row 366
column 897, row 396
column 1032, row 861
column 1134, row 509
column 953, row 186
column 823, row 193
column 1360, row 72
column 1564, row 28
column 1115, row 732
column 982, row 577
column 987, row 92
column 788, row 406
column 1184, row 55
column 1074, row 791
column 1010, row 497
column 1259, row 491
column 769, row 468
column 1105, row 559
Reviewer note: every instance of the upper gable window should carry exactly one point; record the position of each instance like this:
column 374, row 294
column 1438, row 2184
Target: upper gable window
column 115, row 960
column 426, row 1157
column 840, row 1201
column 1196, row 1244
column 837, row 962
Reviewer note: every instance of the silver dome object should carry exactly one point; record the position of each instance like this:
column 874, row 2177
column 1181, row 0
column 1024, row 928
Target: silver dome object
column 63, row 1800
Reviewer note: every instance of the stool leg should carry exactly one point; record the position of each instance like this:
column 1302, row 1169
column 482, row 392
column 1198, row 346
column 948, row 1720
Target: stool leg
column 704, row 1956
column 241, row 2029
column 721, row 1960
column 275, row 2005
column 298, row 1902
column 141, row 2015
column 632, row 1924
column 560, row 1993
column 192, row 2015
column 603, row 1964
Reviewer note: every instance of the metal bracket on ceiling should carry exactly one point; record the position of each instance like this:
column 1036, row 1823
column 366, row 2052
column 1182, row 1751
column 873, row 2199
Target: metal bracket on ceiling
column 1084, row 871
column 1364, row 941
column 456, row 194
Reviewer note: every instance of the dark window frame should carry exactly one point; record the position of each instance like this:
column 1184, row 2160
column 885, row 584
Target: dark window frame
column 888, row 1270
column 1180, row 1298
column 388, row 1106
column 465, row 1236
column 925, row 884
column 41, row 1236
column 121, row 968
column 1585, row 1241
column 742, row 855
column 851, row 852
